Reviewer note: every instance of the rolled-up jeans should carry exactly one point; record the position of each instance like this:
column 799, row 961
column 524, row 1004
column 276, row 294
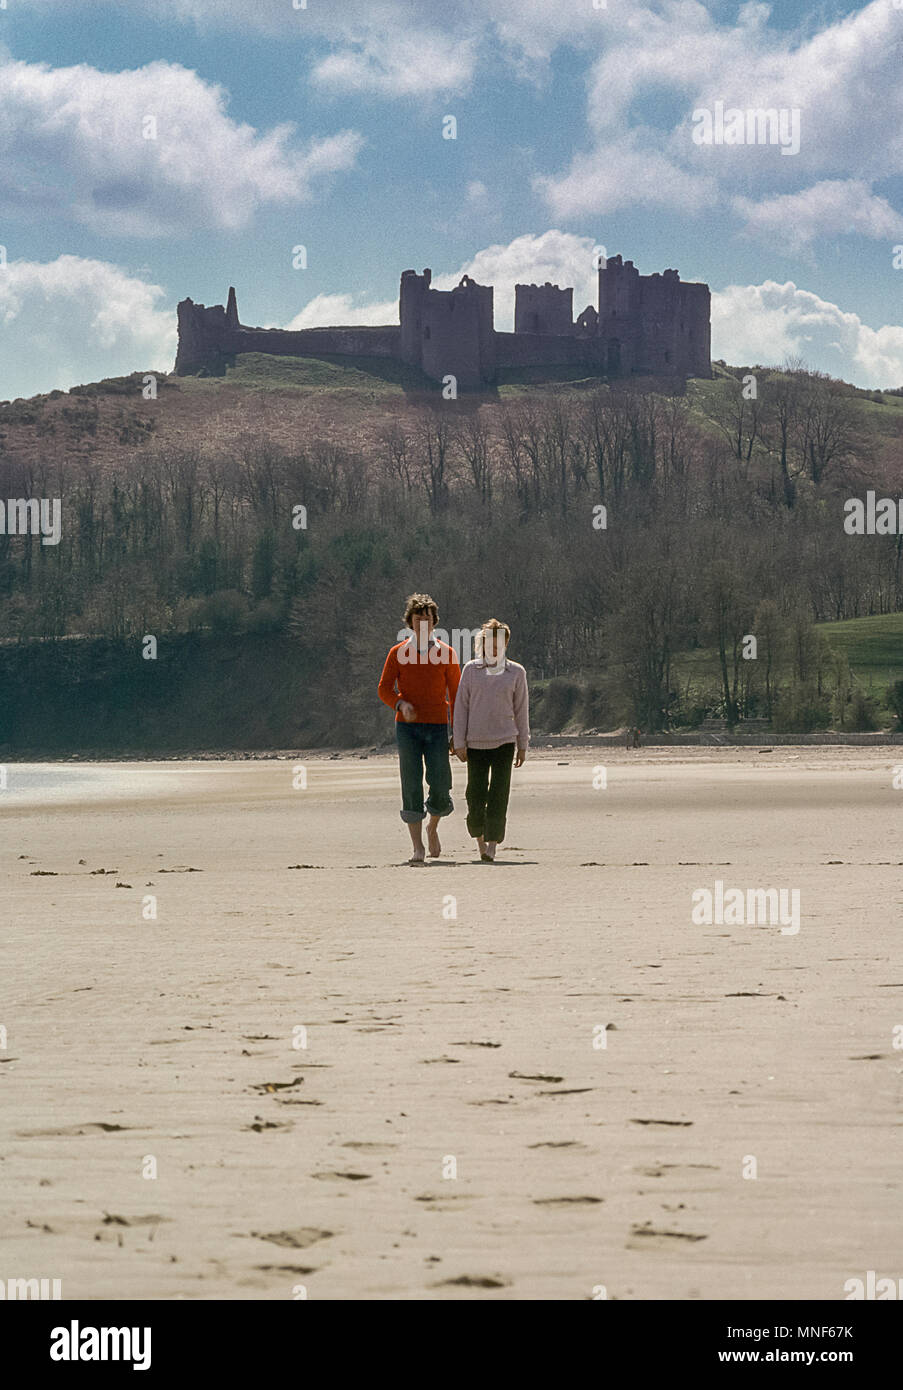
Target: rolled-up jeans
column 422, row 745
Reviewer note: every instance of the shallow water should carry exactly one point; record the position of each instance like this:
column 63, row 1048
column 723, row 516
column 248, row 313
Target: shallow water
column 52, row 783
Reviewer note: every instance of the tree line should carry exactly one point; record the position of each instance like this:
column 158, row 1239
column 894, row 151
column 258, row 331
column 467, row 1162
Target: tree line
column 723, row 517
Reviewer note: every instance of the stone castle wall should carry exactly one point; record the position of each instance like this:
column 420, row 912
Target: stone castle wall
column 646, row 324
column 548, row 350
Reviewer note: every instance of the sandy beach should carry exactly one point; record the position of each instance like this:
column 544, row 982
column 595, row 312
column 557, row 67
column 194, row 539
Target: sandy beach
column 318, row 1070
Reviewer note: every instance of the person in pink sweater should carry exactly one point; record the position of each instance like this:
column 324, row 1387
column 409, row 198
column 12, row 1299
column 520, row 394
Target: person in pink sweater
column 491, row 733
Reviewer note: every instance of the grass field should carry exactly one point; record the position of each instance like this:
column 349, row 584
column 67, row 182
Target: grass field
column 873, row 647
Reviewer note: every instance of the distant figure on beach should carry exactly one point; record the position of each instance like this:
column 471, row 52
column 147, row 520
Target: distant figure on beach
column 636, row 736
column 491, row 716
column 419, row 681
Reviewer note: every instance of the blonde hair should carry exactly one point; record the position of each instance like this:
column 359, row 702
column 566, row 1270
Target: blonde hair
column 493, row 625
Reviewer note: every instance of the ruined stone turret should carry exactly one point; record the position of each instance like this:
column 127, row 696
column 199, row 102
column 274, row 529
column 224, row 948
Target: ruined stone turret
column 543, row 309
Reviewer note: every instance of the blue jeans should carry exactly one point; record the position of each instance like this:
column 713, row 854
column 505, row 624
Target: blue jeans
column 420, row 744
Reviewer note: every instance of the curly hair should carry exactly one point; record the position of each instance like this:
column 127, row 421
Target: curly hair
column 419, row 603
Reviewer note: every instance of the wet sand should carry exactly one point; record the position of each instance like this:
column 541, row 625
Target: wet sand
column 367, row 1081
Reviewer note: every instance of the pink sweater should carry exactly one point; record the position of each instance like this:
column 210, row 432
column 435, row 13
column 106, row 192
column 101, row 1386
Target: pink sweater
column 492, row 710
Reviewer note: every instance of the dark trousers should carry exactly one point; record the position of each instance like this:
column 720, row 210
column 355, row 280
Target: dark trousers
column 424, row 746
column 488, row 786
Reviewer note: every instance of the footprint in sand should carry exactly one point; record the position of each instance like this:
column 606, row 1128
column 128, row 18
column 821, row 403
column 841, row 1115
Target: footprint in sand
column 341, row 1177
column 71, row 1130
column 446, row 1197
column 566, row 1201
column 660, row 1169
column 271, row 1087
column 298, row 1239
column 647, row 1237
column 111, row 1219
column 680, row 1124
column 474, row 1281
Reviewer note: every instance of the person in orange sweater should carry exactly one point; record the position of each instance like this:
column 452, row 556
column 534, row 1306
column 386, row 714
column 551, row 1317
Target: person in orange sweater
column 419, row 681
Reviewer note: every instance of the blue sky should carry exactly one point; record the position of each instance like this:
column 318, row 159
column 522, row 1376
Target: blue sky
column 323, row 126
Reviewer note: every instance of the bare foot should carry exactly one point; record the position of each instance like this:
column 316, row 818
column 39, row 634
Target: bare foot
column 491, row 847
column 418, row 857
column 432, row 837
column 481, row 845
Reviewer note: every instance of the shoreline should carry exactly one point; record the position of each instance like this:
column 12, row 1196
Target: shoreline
column 542, row 743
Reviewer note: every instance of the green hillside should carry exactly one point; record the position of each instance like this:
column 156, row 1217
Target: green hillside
column 873, row 646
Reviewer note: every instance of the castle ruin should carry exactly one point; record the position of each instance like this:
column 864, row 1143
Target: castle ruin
column 649, row 325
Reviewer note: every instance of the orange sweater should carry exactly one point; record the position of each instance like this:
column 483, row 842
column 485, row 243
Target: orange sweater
column 429, row 685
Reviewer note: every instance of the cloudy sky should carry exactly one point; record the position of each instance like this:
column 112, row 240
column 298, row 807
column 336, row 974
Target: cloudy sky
column 150, row 152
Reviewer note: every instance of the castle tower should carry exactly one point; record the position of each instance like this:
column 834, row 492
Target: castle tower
column 543, row 309
column 619, row 314
column 413, row 292
column 448, row 332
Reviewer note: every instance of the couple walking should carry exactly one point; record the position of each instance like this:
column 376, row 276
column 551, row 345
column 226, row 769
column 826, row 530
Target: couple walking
column 481, row 714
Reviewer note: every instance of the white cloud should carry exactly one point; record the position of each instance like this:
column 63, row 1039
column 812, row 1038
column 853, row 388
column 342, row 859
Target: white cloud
column 622, row 175
column 391, row 48
column 769, row 322
column 328, row 310
column 400, row 64
column 75, row 320
column 832, row 207
column 675, row 59
column 72, row 141
column 559, row 257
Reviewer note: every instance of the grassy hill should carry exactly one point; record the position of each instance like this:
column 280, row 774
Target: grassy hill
column 873, row 646
column 338, row 399
column 179, row 504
